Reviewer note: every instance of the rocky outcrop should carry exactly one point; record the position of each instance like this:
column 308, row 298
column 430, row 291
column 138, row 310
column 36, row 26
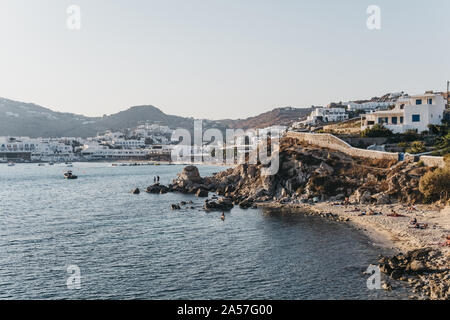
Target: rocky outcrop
column 425, row 269
column 222, row 204
column 201, row 193
column 136, row 191
column 157, row 188
column 309, row 174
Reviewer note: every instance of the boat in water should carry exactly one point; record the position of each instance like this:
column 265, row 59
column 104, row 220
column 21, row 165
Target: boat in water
column 11, row 164
column 69, row 175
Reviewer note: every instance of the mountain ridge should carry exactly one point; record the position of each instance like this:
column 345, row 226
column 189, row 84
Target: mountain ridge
column 29, row 119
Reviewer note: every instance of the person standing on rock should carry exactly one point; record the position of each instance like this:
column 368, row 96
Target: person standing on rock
column 157, row 179
column 154, row 179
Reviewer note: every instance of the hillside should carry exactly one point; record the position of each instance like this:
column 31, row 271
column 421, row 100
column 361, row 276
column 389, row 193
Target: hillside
column 279, row 116
column 28, row 119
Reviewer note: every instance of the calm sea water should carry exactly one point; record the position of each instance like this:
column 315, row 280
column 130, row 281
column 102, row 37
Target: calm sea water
column 134, row 247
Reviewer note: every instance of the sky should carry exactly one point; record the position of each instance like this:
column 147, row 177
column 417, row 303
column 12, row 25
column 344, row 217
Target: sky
column 218, row 59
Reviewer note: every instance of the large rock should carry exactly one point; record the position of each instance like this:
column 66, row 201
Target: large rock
column 190, row 175
column 360, row 196
column 381, row 198
column 157, row 188
column 201, row 193
column 223, row 204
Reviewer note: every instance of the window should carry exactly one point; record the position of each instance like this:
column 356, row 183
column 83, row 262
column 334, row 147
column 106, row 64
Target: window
column 418, row 101
column 401, row 119
column 416, row 118
column 370, row 122
column 394, row 120
column 402, row 106
column 380, row 120
column 430, row 101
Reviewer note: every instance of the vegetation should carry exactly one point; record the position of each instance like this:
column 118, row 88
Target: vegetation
column 410, row 135
column 377, row 130
column 435, row 185
column 442, row 144
column 416, row 147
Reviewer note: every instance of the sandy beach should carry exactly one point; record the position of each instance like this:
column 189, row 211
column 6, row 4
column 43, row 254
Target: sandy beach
column 396, row 234
column 390, row 232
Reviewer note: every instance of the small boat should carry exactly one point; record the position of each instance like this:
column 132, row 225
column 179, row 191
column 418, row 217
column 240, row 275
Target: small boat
column 41, row 164
column 11, row 164
column 51, row 163
column 69, row 165
column 69, row 175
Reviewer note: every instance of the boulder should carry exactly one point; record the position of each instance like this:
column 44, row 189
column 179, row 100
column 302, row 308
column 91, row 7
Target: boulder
column 416, row 266
column 223, row 204
column 360, row 196
column 201, row 193
column 190, row 174
column 175, row 207
column 157, row 188
column 381, row 198
column 136, row 191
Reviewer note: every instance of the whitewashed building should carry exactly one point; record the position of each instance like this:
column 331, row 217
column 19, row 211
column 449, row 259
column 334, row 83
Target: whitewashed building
column 367, row 106
column 410, row 113
column 327, row 115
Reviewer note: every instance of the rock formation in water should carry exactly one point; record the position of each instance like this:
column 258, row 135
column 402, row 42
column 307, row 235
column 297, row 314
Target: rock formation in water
column 310, row 174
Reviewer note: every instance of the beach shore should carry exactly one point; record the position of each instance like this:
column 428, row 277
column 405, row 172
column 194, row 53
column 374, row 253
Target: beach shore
column 396, row 234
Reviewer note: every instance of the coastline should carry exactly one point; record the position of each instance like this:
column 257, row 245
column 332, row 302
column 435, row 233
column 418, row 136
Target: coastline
column 389, row 232
column 396, row 235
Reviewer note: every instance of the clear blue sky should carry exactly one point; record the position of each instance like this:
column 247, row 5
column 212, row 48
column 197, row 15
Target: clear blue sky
column 218, row 59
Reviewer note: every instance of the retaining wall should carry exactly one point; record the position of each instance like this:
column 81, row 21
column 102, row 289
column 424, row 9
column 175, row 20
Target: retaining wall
column 431, row 161
column 329, row 141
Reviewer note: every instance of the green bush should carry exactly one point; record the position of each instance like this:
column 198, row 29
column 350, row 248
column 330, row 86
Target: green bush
column 416, row 147
column 435, row 185
column 410, row 135
column 377, row 130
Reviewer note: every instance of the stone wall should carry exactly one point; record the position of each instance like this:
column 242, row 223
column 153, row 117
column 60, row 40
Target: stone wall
column 431, row 161
column 329, row 141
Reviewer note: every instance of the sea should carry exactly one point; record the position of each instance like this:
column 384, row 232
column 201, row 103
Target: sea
column 91, row 238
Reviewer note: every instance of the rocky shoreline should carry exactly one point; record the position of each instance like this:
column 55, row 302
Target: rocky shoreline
column 376, row 196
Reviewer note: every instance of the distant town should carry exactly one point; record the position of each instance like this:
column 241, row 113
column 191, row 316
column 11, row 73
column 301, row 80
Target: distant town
column 398, row 113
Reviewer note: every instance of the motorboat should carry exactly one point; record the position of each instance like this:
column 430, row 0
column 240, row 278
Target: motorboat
column 69, row 175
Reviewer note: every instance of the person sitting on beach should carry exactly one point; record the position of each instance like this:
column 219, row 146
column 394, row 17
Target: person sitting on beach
column 363, row 213
column 346, row 201
column 394, row 214
column 413, row 221
column 420, row 226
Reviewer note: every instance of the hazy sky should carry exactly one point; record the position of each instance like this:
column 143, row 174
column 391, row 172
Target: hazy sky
column 218, row 59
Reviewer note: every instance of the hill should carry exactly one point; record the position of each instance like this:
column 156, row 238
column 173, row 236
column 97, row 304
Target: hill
column 28, row 119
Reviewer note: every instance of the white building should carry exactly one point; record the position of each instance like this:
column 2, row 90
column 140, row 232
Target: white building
column 129, row 144
column 326, row 115
column 93, row 151
column 410, row 113
column 366, row 106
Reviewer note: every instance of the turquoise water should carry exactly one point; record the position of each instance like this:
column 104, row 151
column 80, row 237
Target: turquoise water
column 134, row 247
